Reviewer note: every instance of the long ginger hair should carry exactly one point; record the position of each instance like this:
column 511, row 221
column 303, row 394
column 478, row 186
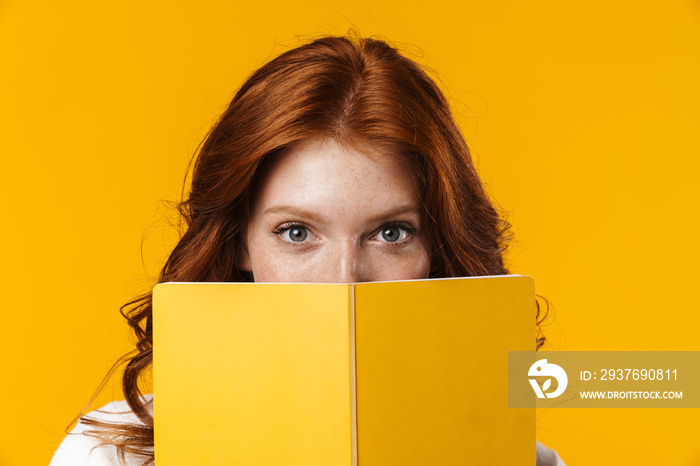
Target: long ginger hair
column 360, row 92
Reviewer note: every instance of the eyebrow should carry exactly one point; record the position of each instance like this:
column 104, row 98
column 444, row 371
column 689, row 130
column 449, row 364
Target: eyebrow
column 315, row 216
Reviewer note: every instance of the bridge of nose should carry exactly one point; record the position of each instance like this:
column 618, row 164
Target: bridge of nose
column 348, row 262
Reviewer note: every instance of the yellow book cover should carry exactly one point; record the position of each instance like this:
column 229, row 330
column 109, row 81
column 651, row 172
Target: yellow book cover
column 381, row 373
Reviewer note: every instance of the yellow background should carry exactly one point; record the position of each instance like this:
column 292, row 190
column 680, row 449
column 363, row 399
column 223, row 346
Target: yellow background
column 583, row 119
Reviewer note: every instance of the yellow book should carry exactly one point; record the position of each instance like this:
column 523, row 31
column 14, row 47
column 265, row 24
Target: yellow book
column 382, row 373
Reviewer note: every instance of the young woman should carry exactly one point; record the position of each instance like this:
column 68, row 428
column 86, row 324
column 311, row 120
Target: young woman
column 338, row 161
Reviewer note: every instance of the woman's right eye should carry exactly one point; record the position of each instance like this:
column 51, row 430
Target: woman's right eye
column 294, row 233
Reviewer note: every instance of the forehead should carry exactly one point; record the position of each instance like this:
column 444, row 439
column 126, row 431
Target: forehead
column 322, row 175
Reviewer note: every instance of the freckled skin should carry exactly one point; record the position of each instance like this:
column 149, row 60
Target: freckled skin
column 338, row 202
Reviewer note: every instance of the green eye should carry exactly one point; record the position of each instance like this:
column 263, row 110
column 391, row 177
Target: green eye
column 297, row 234
column 391, row 235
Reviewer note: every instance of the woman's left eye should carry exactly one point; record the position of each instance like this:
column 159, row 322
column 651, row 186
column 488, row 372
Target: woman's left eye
column 394, row 234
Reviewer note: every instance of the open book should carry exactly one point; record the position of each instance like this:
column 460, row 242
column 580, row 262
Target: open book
column 382, row 373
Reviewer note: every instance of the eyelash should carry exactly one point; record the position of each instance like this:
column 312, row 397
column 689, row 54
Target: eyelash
column 410, row 230
column 289, row 226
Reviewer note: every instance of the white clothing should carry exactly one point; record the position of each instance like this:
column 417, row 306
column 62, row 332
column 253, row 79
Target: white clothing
column 78, row 449
column 547, row 456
